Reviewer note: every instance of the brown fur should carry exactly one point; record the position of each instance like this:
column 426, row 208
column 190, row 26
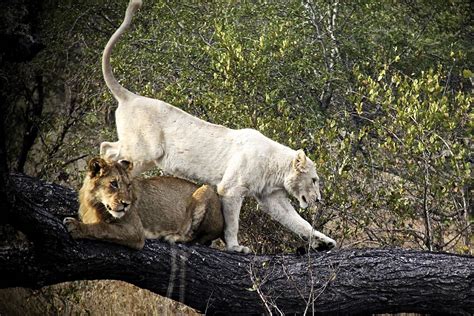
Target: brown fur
column 116, row 208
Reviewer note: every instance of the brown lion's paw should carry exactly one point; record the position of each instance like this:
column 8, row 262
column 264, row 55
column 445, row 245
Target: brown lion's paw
column 72, row 226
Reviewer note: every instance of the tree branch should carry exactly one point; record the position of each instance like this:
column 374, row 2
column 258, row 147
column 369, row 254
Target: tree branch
column 212, row 281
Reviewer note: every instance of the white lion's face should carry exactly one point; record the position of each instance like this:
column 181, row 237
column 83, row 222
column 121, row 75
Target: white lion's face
column 303, row 181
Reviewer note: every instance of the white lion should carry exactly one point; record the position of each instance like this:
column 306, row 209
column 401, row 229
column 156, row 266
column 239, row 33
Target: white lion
column 240, row 162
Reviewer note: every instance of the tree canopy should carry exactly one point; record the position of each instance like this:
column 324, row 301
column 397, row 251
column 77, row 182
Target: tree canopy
column 378, row 93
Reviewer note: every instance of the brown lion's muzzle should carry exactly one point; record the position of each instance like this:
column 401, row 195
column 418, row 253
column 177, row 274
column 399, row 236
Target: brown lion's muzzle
column 120, row 206
column 125, row 204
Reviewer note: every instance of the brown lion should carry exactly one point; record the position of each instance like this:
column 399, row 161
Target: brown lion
column 116, row 208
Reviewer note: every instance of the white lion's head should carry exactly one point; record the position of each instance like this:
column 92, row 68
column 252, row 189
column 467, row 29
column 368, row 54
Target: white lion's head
column 302, row 181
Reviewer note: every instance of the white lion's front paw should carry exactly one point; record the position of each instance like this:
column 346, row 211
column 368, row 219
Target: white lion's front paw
column 323, row 244
column 238, row 248
column 331, row 243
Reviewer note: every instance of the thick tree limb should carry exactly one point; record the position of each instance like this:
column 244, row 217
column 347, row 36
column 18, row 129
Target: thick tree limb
column 211, row 281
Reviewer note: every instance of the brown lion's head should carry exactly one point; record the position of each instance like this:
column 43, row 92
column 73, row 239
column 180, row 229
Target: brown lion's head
column 303, row 182
column 109, row 184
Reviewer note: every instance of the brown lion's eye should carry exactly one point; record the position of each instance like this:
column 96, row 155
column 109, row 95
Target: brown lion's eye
column 114, row 184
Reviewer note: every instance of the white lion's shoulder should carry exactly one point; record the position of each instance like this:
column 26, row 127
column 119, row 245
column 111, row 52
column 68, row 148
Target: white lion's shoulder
column 255, row 142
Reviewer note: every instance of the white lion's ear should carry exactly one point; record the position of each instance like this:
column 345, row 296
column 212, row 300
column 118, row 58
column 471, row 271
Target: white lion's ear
column 299, row 162
column 125, row 164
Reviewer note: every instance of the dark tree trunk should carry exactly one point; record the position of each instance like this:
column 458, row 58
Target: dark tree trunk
column 212, row 281
column 18, row 43
column 32, row 117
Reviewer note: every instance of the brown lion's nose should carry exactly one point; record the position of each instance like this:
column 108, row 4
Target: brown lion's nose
column 125, row 203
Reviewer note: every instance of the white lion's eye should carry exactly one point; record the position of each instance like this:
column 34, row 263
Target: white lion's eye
column 315, row 180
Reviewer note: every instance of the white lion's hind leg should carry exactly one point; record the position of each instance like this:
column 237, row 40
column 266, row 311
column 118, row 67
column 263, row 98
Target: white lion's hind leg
column 280, row 209
column 115, row 151
column 150, row 156
column 141, row 166
column 110, row 151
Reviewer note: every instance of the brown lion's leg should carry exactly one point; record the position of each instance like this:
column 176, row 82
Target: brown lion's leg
column 206, row 210
column 127, row 235
column 198, row 207
column 178, row 238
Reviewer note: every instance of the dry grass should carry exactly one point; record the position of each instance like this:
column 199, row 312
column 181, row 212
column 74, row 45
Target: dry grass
column 88, row 298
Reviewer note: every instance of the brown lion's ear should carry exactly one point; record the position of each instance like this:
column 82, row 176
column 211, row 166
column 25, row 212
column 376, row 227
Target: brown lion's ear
column 96, row 167
column 299, row 162
column 125, row 164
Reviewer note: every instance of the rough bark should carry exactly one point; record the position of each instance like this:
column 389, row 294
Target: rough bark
column 337, row 282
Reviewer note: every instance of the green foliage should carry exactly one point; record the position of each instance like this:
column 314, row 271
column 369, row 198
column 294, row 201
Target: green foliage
column 400, row 155
column 376, row 92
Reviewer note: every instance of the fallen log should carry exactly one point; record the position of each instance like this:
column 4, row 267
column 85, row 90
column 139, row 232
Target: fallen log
column 358, row 281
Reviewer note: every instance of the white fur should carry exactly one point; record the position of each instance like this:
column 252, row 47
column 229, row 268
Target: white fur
column 239, row 162
column 116, row 214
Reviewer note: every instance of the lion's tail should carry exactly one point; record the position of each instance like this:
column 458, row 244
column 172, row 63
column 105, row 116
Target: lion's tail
column 119, row 92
